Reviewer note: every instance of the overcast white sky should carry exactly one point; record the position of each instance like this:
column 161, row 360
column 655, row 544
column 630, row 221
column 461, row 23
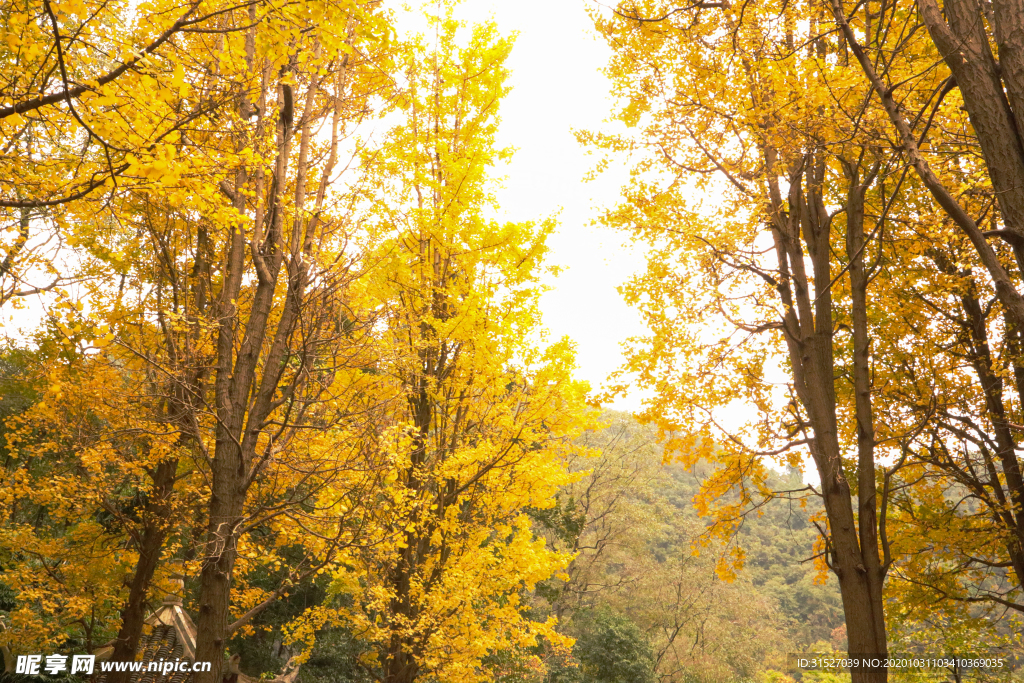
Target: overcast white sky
column 557, row 87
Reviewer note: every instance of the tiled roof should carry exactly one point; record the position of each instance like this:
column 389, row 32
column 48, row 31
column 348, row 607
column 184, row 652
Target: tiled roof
column 169, row 635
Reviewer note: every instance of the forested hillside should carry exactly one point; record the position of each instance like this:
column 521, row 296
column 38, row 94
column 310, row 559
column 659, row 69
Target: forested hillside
column 643, row 573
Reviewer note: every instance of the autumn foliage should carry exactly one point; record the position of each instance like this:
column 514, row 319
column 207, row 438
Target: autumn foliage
column 294, row 352
column 281, row 345
column 830, row 249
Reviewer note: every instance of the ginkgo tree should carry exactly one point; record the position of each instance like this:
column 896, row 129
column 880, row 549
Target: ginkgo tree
column 90, row 93
column 480, row 418
column 959, row 127
column 216, row 259
column 823, row 292
column 767, row 298
column 92, row 490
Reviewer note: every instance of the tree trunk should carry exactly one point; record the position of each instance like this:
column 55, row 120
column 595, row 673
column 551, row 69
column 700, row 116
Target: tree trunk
column 400, row 666
column 151, row 547
column 993, row 95
column 215, row 579
column 852, row 549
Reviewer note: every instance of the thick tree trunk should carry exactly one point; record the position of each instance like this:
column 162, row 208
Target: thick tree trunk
column 962, row 39
column 867, row 499
column 226, row 505
column 401, row 658
column 860, row 589
column 244, row 387
column 400, row 666
column 228, row 465
column 153, row 536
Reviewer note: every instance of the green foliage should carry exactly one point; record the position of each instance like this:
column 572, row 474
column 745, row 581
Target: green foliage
column 16, row 395
column 9, row 677
column 612, row 649
column 17, row 390
column 8, row 598
column 335, row 659
column 565, row 519
column 777, row 540
column 264, row 654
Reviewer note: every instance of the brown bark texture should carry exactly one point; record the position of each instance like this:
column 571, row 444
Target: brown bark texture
column 801, row 228
column 992, row 88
